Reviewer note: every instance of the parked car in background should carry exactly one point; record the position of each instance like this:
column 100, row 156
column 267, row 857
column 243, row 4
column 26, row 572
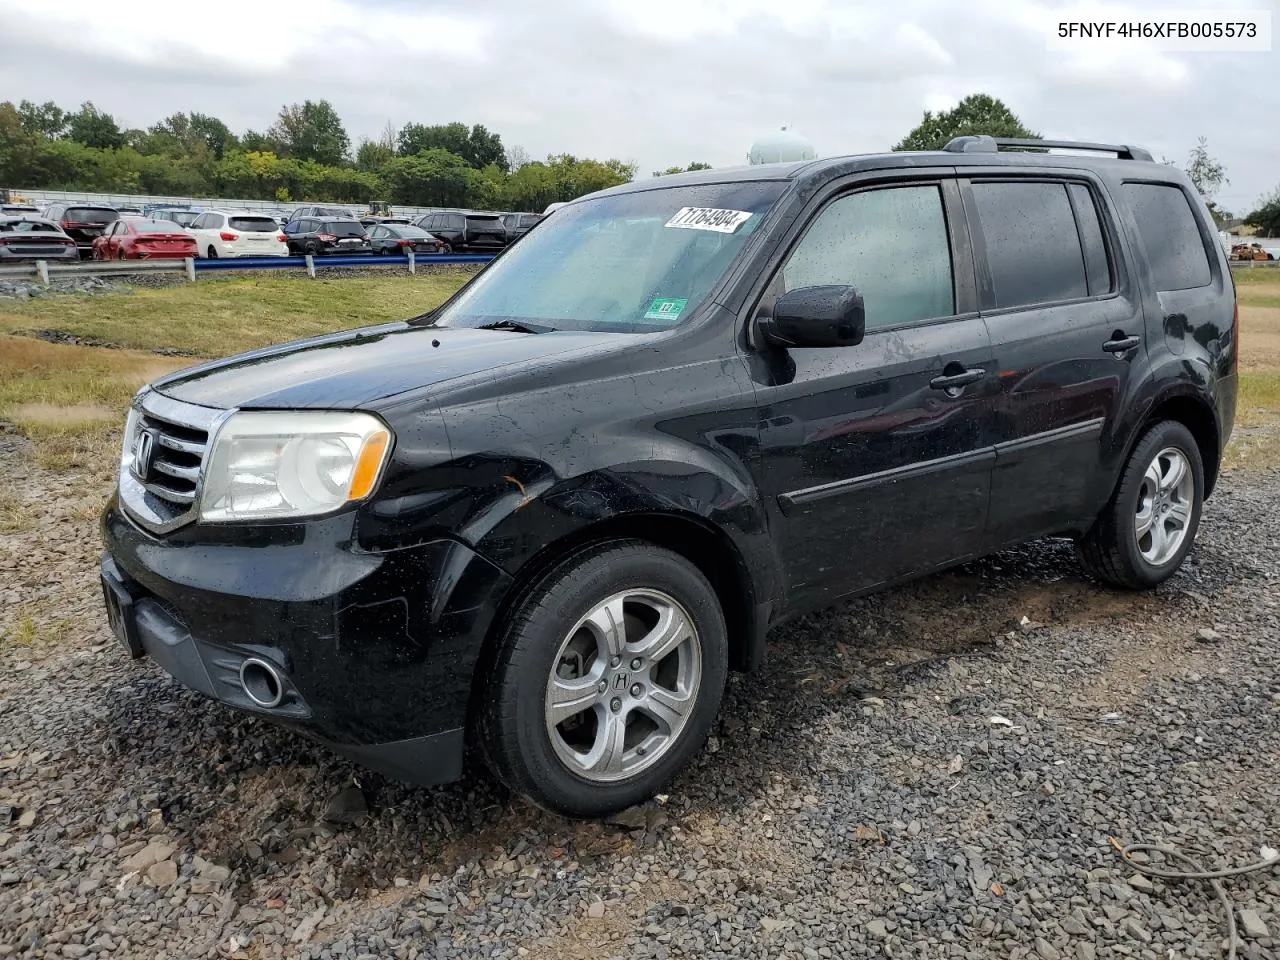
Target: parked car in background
column 83, row 223
column 395, row 238
column 323, row 212
column 141, row 238
column 130, row 211
column 317, row 236
column 183, row 218
column 228, row 233
column 29, row 238
column 466, row 231
column 19, row 210
column 518, row 224
column 374, row 221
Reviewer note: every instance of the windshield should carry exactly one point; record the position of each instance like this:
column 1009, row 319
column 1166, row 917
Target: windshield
column 627, row 263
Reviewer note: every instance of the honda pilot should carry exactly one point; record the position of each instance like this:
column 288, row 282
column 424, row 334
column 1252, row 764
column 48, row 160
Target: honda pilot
column 541, row 523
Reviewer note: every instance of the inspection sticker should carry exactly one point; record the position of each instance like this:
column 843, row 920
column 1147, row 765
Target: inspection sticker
column 709, row 218
column 665, row 309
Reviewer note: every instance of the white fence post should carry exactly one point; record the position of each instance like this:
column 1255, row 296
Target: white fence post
column 191, row 268
column 42, row 271
column 412, row 266
column 311, row 266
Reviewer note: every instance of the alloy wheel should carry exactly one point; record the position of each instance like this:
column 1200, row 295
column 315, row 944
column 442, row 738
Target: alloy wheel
column 623, row 685
column 1165, row 501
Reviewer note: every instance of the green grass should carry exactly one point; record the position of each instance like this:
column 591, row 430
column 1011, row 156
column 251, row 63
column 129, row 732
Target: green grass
column 215, row 318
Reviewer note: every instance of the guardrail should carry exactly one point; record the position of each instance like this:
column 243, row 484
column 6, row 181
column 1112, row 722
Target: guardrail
column 1245, row 264
column 43, row 270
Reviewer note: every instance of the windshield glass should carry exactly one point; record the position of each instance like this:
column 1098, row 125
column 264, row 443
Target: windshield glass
column 628, row 263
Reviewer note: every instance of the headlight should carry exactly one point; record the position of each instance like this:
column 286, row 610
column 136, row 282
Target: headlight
column 271, row 465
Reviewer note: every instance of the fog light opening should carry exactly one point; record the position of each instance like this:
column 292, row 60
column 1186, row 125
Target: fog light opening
column 261, row 683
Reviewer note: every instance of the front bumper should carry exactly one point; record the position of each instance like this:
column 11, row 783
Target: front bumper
column 375, row 652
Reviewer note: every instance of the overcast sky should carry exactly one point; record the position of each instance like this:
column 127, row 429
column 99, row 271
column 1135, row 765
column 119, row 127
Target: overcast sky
column 657, row 82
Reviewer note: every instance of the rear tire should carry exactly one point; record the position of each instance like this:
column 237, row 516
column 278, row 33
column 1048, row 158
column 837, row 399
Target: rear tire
column 212, row 252
column 120, row 253
column 631, row 716
column 311, row 249
column 1145, row 531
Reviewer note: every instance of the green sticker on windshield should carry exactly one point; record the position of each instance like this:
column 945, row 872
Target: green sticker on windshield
column 663, row 308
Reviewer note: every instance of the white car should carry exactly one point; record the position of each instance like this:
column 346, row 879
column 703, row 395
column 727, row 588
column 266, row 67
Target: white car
column 223, row 233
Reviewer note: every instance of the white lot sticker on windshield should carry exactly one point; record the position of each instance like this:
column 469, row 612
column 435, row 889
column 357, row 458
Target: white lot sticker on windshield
column 709, row 218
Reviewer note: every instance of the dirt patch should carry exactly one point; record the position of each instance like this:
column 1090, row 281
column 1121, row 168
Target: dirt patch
column 78, row 340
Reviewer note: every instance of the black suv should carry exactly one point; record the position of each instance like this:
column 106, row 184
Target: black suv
column 470, row 232
column 316, row 237
column 83, row 223
column 553, row 513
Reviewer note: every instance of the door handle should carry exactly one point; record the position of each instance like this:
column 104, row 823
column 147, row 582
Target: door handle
column 1121, row 344
column 954, row 381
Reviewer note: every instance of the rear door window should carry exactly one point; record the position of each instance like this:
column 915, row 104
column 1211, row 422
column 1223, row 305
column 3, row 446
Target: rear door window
column 1033, row 248
column 1170, row 235
column 1097, row 266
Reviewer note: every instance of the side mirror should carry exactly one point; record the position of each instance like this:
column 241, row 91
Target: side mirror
column 827, row 316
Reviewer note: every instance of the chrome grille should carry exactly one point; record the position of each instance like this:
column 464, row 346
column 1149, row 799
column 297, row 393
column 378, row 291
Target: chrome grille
column 163, row 460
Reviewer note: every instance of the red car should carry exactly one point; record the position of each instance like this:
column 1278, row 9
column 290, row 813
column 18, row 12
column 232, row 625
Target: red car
column 137, row 238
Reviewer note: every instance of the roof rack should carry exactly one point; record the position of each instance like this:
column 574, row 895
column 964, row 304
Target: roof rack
column 985, row 144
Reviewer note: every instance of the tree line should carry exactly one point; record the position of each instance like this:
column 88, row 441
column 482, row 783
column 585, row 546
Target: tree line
column 306, row 154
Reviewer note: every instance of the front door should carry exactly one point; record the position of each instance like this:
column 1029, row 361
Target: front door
column 876, row 459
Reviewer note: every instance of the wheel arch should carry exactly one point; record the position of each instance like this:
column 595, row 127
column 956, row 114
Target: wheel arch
column 1196, row 414
column 696, row 539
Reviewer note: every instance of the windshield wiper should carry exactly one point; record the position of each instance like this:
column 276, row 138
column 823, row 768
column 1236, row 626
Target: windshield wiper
column 519, row 326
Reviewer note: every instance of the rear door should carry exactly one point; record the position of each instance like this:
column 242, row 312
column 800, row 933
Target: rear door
column 876, row 458
column 1066, row 328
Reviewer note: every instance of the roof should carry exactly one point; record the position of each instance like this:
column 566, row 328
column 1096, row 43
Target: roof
column 829, row 167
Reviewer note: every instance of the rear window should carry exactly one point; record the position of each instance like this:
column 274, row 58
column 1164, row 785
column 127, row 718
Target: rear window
column 409, row 233
column 90, row 215
column 343, row 228
column 1170, row 235
column 1033, row 248
column 254, row 224
column 154, row 226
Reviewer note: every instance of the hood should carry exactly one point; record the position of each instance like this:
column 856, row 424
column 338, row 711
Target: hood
column 348, row 370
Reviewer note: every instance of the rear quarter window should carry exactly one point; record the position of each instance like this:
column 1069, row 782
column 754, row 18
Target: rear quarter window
column 1170, row 235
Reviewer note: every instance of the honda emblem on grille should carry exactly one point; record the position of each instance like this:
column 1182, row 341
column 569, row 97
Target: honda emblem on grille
column 144, row 448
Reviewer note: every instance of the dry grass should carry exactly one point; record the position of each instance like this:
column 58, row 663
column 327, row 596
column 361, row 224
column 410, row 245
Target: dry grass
column 216, row 318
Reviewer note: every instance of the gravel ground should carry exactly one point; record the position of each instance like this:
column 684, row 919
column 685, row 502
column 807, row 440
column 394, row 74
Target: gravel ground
column 932, row 773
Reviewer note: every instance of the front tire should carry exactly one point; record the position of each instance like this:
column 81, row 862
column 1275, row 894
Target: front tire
column 606, row 680
column 1145, row 532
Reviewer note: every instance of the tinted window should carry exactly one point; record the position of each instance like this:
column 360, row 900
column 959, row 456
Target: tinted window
column 891, row 244
column 255, row 224
column 344, row 228
column 456, row 221
column 1033, row 249
column 154, row 226
column 1097, row 267
column 90, row 214
column 1170, row 235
